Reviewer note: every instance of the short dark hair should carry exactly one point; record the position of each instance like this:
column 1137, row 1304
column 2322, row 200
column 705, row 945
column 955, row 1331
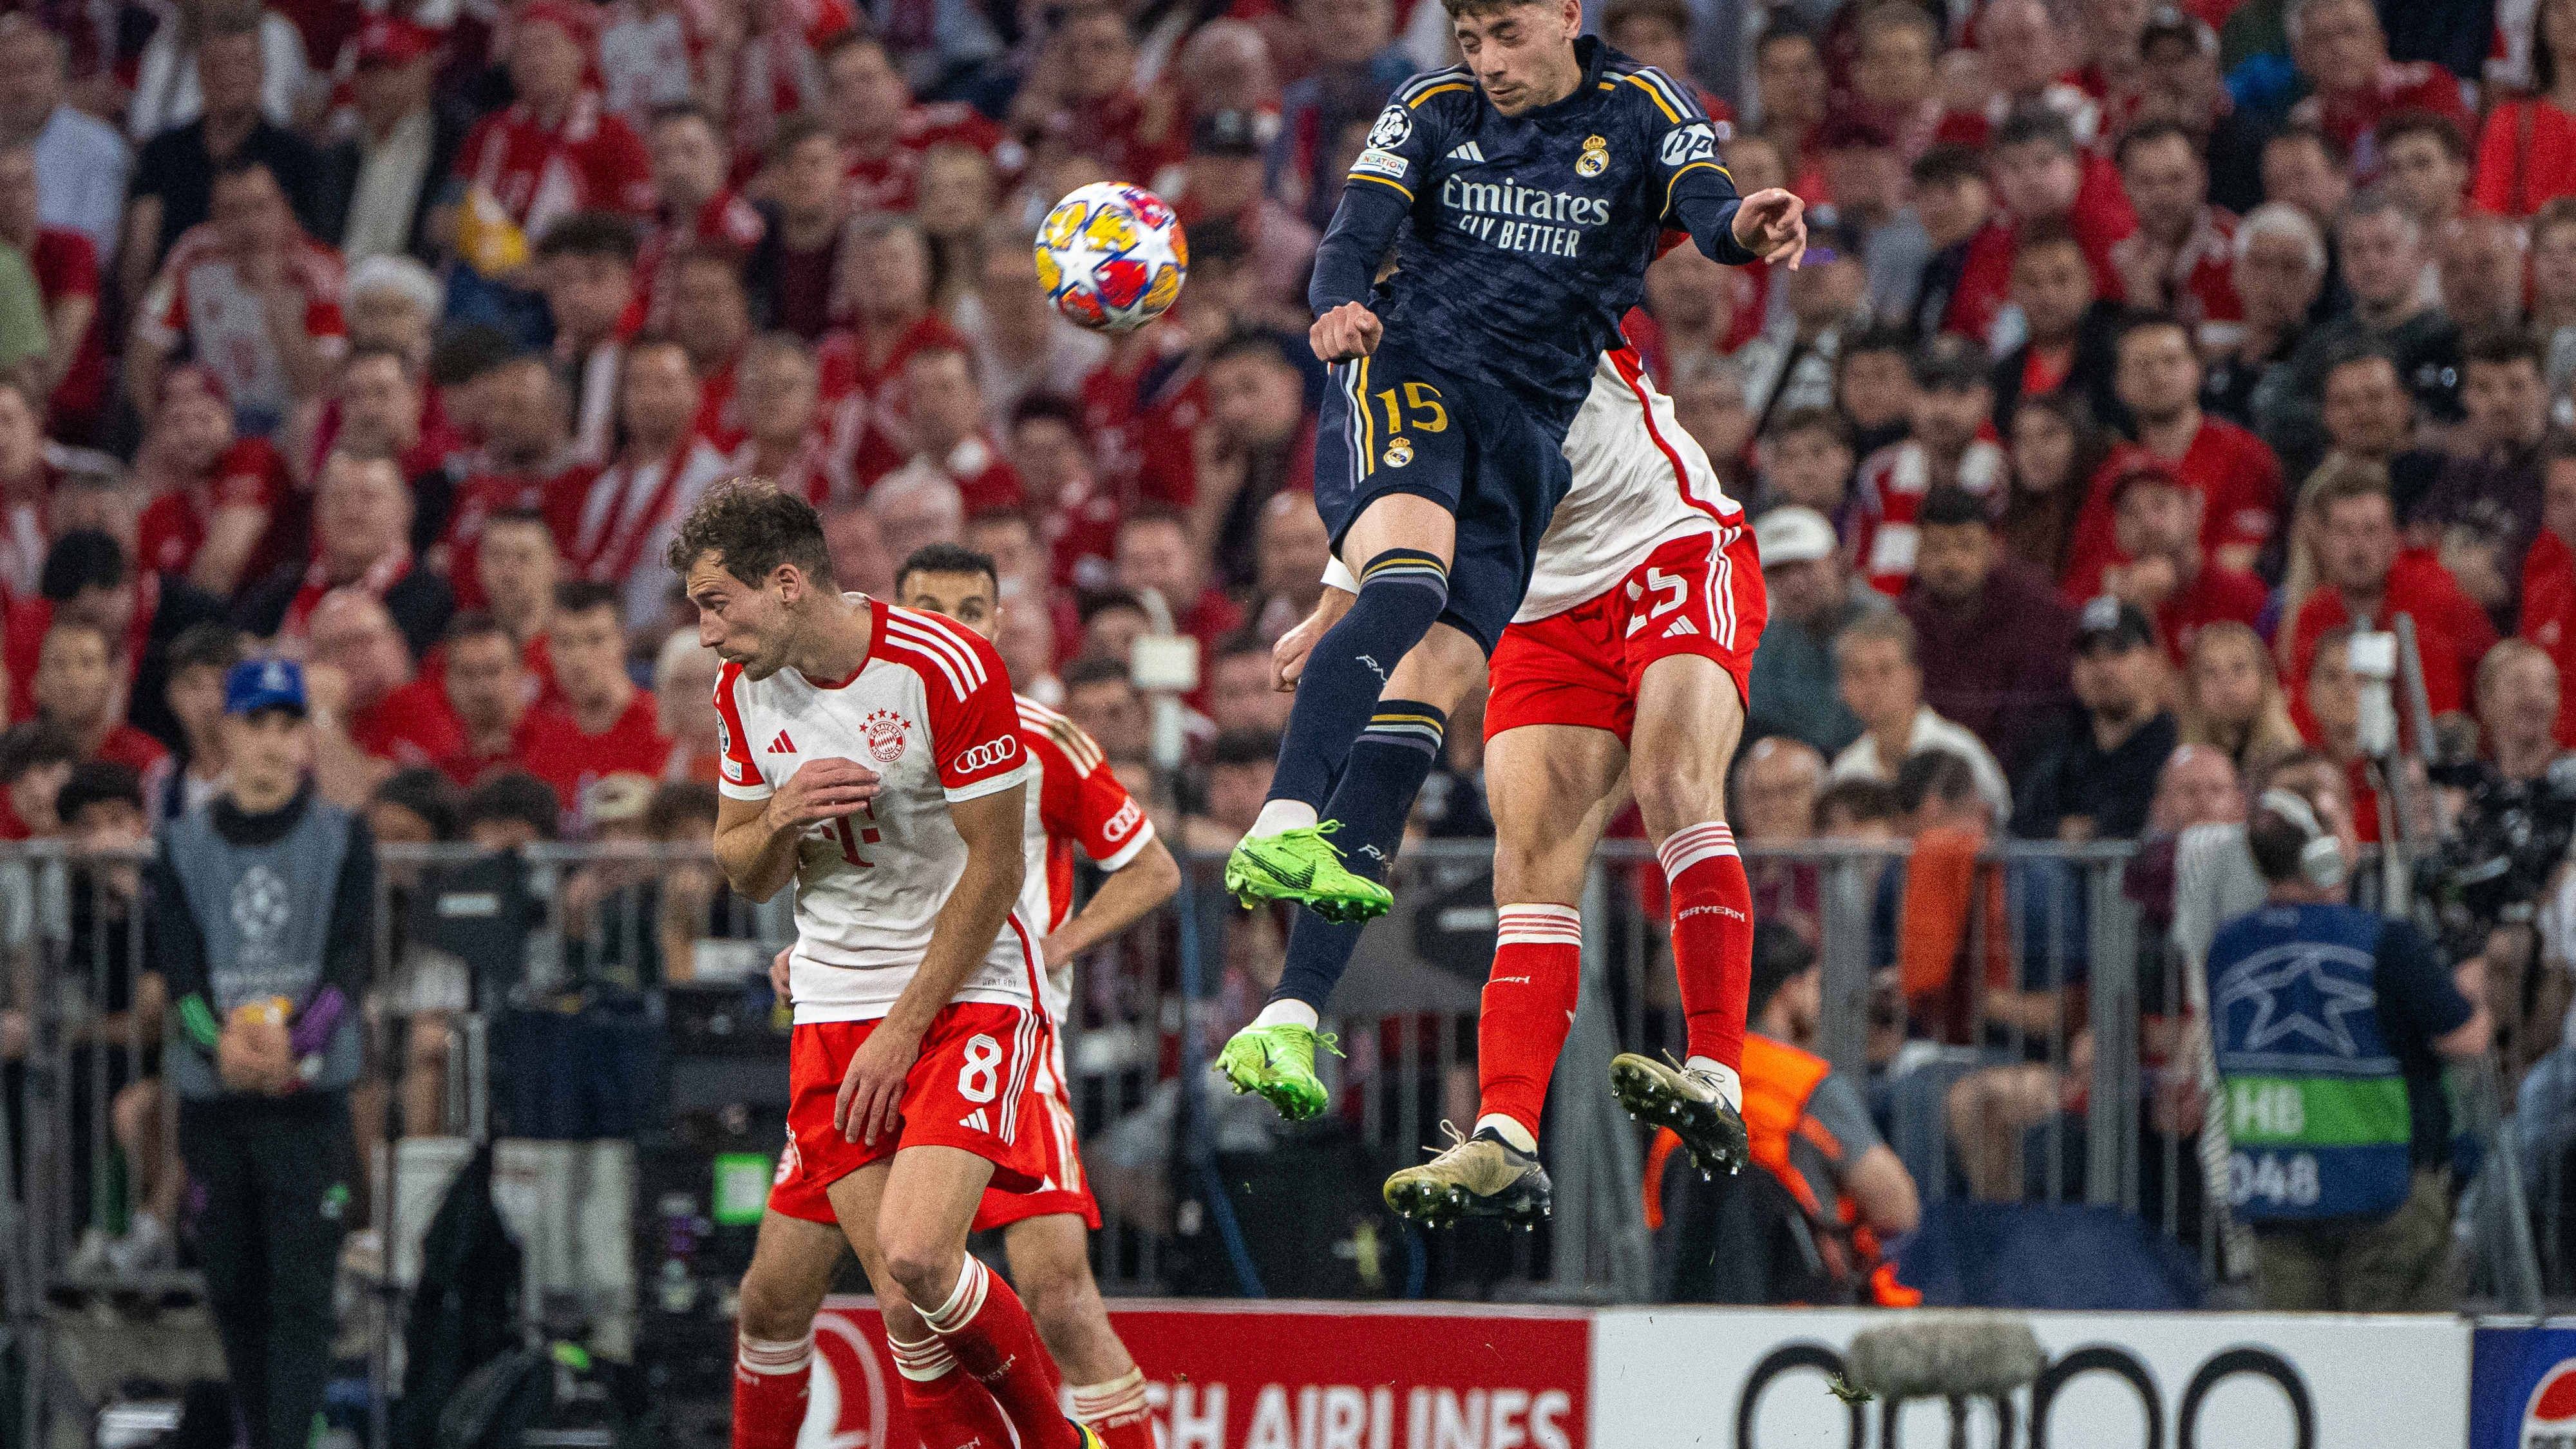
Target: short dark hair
column 2137, row 322
column 2504, row 346
column 465, row 353
column 2276, row 842
column 752, row 527
column 1811, row 420
column 1948, row 162
column 210, row 645
column 1096, row 669
column 1951, row 506
column 33, row 744
column 947, row 558
column 1933, row 774
column 677, row 801
column 2332, row 149
column 580, row 596
column 85, row 558
column 2036, row 123
column 426, row 792
column 1859, row 797
column 513, row 796
column 1045, row 406
column 240, row 164
column 2154, row 131
column 2415, row 121
column 1271, row 346
column 1883, row 337
column 474, row 624
column 794, row 131
column 1671, row 12
column 1096, row 602
column 98, row 782
column 1780, row 30
column 590, row 234
column 682, row 111
column 1243, row 747
column 2045, row 232
column 1780, row 956
column 1244, row 641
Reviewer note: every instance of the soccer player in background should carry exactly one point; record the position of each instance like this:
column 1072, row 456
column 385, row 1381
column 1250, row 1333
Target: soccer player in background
column 873, row 756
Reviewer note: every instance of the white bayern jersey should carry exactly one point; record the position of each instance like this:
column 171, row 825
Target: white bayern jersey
column 1075, row 802
column 931, row 711
column 1639, row 483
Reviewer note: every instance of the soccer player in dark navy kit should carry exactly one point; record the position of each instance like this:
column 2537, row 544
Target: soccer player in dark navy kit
column 1539, row 180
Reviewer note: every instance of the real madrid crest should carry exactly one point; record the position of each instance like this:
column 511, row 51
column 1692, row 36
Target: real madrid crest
column 1399, row 451
column 1595, row 158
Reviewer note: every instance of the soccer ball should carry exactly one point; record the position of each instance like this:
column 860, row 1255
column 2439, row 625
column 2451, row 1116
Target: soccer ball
column 1111, row 256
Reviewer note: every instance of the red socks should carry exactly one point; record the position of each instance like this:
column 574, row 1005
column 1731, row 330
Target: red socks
column 1529, row 1006
column 1712, row 937
column 769, row 1385
column 1116, row 1411
column 948, row 1409
column 984, row 1324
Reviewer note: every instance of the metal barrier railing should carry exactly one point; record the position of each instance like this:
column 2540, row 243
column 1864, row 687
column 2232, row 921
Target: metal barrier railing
column 2018, row 1025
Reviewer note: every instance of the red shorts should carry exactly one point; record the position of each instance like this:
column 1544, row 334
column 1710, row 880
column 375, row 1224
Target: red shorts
column 1066, row 1188
column 974, row 1087
column 1697, row 595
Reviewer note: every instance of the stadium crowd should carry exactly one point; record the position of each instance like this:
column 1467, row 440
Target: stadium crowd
column 2146, row 356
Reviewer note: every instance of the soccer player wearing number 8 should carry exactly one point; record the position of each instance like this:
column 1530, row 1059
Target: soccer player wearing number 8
column 872, row 755
column 2329, row 1024
column 1538, row 180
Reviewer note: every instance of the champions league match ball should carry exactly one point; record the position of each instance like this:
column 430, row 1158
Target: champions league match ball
column 1111, row 256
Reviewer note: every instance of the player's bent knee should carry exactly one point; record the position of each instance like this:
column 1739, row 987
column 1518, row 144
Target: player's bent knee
column 778, row 1304
column 923, row 1264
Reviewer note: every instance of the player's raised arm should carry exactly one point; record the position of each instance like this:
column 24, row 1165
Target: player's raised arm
column 1769, row 226
column 1375, row 200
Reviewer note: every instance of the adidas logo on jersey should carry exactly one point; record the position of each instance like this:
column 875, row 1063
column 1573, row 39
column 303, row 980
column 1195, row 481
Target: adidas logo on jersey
column 1681, row 628
column 977, row 1120
column 1468, row 152
column 782, row 745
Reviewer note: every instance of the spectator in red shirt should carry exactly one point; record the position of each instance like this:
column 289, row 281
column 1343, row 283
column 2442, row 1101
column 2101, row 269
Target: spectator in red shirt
column 520, row 568
column 1893, row 76
column 786, row 437
column 251, row 297
column 2549, row 571
column 2527, row 153
column 887, row 295
column 556, row 150
column 78, row 687
column 361, row 539
column 585, row 264
column 2238, row 479
column 489, row 692
column 2424, row 163
column 2343, row 55
column 2366, row 579
column 2161, row 565
column 883, row 133
column 214, row 499
column 712, row 320
column 527, row 447
column 614, row 525
column 1078, row 515
column 2042, row 176
column 1082, row 97
column 1969, row 278
column 1155, row 555
column 944, row 418
column 373, row 716
column 65, row 262
column 2181, row 256
column 1951, row 412
column 790, row 273
column 607, row 726
column 697, row 210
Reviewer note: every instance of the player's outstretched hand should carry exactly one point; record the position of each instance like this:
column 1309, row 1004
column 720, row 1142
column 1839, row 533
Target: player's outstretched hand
column 871, row 1100
column 825, row 789
column 1772, row 224
column 1349, row 330
column 1288, row 656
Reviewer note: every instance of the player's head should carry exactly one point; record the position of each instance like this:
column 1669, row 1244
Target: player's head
column 947, row 578
column 756, row 567
column 1522, row 51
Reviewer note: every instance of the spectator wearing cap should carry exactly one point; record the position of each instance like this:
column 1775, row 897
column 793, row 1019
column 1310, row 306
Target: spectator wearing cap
column 88, row 580
column 36, row 759
column 263, row 916
column 382, row 182
column 1791, row 365
column 1866, row 174
column 174, row 174
column 1998, row 626
column 2158, row 381
column 1950, row 410
column 2046, row 179
column 613, row 530
column 251, row 296
column 70, row 380
column 1023, row 348
column 804, row 184
column 2342, row 53
column 2279, row 272
column 2069, row 328
column 2093, row 775
column 2179, row 258
column 2366, row 578
column 2483, row 510
column 1879, row 674
column 1812, row 601
column 2158, row 565
column 77, row 686
column 82, row 162
column 1967, row 280
column 1222, row 176
column 883, row 132
column 361, row 539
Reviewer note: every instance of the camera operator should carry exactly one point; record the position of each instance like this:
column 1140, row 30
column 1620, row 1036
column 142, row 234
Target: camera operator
column 2507, row 851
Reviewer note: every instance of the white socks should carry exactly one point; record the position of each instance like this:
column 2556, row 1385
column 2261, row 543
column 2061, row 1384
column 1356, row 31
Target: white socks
column 1729, row 1085
column 776, row 1356
column 1509, row 1129
column 1281, row 816
column 1119, row 1399
column 1287, row 1012
column 925, row 1362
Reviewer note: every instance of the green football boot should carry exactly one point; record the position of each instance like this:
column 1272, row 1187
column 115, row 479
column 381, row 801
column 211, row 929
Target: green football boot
column 1689, row 1103
column 1301, row 865
column 1278, row 1062
column 1477, row 1177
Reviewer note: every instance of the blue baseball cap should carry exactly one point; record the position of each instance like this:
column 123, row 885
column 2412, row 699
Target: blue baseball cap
column 258, row 684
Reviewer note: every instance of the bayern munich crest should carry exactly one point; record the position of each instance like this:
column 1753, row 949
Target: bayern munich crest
column 885, row 731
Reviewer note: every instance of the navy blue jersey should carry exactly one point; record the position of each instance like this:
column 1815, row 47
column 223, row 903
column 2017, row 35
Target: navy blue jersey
column 1530, row 234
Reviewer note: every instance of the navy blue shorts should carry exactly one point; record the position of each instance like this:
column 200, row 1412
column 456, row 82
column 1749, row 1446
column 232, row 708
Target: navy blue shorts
column 1394, row 423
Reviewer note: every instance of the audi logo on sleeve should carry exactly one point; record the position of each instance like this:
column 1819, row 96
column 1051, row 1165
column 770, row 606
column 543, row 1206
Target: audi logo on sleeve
column 987, row 755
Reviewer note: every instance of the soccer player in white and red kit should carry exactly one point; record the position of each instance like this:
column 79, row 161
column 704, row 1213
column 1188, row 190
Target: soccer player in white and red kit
column 873, row 755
